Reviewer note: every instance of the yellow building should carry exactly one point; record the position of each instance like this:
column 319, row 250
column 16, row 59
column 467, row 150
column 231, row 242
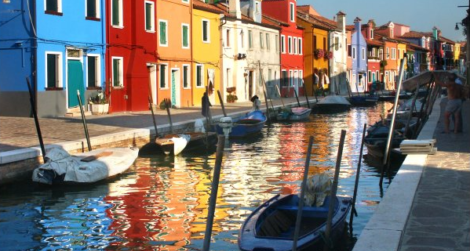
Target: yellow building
column 206, row 61
column 401, row 47
column 457, row 51
column 315, row 44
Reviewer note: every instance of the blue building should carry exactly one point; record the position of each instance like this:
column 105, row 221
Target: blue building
column 358, row 76
column 59, row 45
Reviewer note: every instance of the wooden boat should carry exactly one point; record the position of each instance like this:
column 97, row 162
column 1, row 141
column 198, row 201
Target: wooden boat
column 177, row 143
column 390, row 96
column 271, row 226
column 366, row 100
column 376, row 139
column 294, row 114
column 249, row 124
column 84, row 168
column 332, row 104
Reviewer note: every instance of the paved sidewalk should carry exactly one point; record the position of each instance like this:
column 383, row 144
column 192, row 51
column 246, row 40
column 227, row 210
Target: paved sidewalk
column 440, row 214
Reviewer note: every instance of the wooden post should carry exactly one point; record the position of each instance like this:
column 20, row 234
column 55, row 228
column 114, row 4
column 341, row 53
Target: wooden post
column 214, row 189
column 221, row 103
column 153, row 117
column 302, row 194
column 334, row 188
column 278, row 91
column 356, row 184
column 306, row 97
column 297, row 97
column 36, row 121
column 167, row 105
column 85, row 127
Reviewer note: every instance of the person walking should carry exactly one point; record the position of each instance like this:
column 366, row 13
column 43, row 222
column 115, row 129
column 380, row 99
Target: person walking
column 454, row 102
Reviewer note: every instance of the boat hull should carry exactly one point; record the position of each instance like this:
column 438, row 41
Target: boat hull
column 363, row 100
column 250, row 124
column 279, row 213
column 295, row 115
column 197, row 141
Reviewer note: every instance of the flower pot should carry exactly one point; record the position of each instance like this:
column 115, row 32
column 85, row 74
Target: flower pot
column 98, row 109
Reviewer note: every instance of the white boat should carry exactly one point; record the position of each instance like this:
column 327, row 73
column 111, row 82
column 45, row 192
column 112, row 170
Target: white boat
column 294, row 114
column 89, row 167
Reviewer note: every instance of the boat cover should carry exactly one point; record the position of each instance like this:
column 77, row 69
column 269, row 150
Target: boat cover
column 318, row 188
column 179, row 143
column 339, row 100
column 114, row 161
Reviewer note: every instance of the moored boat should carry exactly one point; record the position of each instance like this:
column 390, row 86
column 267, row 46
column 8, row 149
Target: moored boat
column 249, row 124
column 332, row 104
column 271, row 226
column 294, row 114
column 176, row 143
column 84, row 168
column 366, row 100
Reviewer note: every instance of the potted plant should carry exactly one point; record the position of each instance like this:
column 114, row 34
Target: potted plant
column 319, row 53
column 231, row 98
column 99, row 104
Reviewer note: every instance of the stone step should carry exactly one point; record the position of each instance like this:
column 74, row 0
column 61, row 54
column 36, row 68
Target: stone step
column 75, row 112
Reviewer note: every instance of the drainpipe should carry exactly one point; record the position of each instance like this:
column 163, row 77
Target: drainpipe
column 190, row 49
column 34, row 53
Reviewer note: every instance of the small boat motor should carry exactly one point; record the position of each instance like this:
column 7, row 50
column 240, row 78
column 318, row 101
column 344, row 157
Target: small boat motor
column 226, row 124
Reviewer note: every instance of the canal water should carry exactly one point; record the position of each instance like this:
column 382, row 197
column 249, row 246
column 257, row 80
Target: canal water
column 161, row 203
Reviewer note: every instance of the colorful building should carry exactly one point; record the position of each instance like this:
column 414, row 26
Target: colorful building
column 131, row 57
column 375, row 55
column 56, row 61
column 291, row 45
column 390, row 64
column 206, row 58
column 174, row 53
column 359, row 77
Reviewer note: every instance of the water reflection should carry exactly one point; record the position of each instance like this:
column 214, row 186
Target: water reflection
column 162, row 203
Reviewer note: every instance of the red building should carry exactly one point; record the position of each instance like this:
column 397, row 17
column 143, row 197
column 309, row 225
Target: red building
column 130, row 54
column 291, row 45
column 375, row 55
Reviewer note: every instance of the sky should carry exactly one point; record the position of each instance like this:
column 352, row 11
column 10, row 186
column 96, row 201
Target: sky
column 420, row 15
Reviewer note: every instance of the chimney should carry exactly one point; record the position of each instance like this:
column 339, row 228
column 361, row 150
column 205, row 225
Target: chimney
column 234, row 8
column 341, row 21
column 370, row 29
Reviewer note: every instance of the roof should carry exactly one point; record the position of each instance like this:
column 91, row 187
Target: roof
column 413, row 34
column 374, row 42
column 274, row 21
column 207, row 7
column 316, row 20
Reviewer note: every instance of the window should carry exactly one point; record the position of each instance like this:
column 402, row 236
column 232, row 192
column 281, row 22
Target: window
column 92, row 9
column 185, row 1
column 300, row 46
column 227, row 38
column 93, row 71
column 163, row 33
column 291, row 78
column 53, row 70
column 205, row 31
column 294, row 45
column 250, row 39
column 199, row 75
column 117, row 74
column 276, row 42
column 354, row 52
column 267, row 42
column 388, row 53
column 301, row 78
column 381, row 54
column 186, row 76
column 242, row 39
column 369, row 75
column 284, row 78
column 394, row 53
column 53, row 6
column 116, row 13
column 269, row 74
column 292, row 11
column 283, row 44
column 349, row 50
column 363, row 53
column 163, row 73
column 324, row 43
column 229, row 77
column 336, row 43
column 289, row 44
column 314, row 42
column 149, row 16
column 185, row 35
column 371, row 34
column 261, row 44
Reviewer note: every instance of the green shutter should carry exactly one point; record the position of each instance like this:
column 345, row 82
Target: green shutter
column 115, row 7
column 51, row 70
column 162, row 33
column 185, row 36
column 148, row 16
column 162, row 76
column 198, row 75
column 52, row 5
column 91, row 8
column 92, row 72
column 204, row 30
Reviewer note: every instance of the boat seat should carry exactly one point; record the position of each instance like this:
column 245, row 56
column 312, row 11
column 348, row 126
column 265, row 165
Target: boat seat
column 275, row 224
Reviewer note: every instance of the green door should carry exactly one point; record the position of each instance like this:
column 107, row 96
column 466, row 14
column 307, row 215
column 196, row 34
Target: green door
column 173, row 87
column 75, row 82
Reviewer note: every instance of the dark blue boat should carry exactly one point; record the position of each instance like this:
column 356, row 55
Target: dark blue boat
column 271, row 226
column 249, row 124
column 366, row 100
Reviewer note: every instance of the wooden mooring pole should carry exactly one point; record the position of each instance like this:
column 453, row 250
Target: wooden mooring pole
column 85, row 126
column 36, row 121
column 356, row 183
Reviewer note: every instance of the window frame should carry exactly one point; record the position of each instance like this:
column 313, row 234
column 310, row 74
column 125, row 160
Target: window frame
column 58, row 68
column 152, row 16
column 199, row 81
column 268, row 45
column 289, row 44
column 294, row 45
column 160, row 21
column 121, row 14
column 186, row 76
column 206, row 29
column 165, row 72
column 276, row 37
column 394, row 53
column 291, row 12
column 300, row 46
column 363, row 53
column 227, row 38
column 120, row 73
column 250, row 39
column 283, row 44
column 187, row 36
column 261, row 44
column 97, row 70
column 54, row 12
column 353, row 52
column 97, row 16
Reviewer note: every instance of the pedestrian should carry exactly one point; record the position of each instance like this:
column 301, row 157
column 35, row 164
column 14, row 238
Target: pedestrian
column 205, row 105
column 256, row 102
column 460, row 126
column 316, row 81
column 454, row 102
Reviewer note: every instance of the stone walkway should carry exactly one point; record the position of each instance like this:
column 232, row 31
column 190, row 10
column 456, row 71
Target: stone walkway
column 440, row 214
